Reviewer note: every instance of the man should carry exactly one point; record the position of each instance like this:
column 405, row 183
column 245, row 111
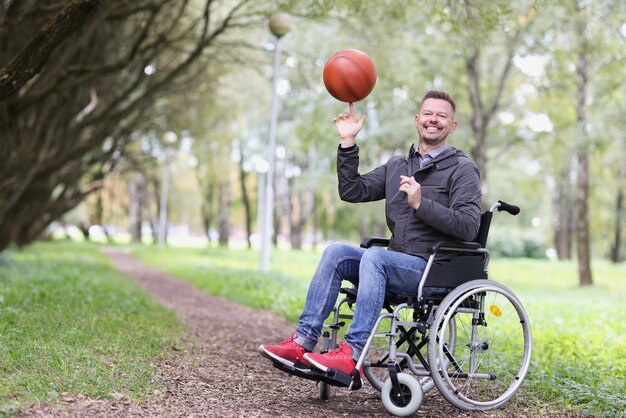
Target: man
column 432, row 195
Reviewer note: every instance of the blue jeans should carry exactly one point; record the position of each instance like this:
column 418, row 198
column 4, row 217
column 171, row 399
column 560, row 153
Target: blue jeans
column 376, row 271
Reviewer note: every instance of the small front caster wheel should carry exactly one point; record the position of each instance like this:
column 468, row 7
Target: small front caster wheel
column 324, row 389
column 407, row 400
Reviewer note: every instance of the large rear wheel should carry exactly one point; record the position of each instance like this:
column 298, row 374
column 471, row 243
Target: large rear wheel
column 490, row 359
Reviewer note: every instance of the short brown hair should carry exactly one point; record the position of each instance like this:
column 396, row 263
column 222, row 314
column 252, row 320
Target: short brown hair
column 441, row 95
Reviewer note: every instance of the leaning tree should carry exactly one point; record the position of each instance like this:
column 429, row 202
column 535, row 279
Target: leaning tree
column 80, row 78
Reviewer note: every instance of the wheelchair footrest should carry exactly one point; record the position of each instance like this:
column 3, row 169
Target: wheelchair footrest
column 332, row 377
column 294, row 370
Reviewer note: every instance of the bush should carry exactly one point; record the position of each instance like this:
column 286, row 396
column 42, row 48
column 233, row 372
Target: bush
column 517, row 244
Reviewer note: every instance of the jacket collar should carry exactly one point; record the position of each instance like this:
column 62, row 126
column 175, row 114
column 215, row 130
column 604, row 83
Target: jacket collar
column 444, row 160
column 443, row 154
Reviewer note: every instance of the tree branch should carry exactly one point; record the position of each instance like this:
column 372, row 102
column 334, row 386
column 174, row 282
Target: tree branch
column 30, row 61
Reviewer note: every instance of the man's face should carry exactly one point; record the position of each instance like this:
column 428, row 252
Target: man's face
column 435, row 121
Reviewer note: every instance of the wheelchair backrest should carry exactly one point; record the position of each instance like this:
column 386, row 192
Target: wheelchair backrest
column 483, row 230
column 459, row 270
column 485, row 220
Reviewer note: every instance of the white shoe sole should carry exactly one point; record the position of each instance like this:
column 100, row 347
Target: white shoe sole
column 315, row 364
column 274, row 357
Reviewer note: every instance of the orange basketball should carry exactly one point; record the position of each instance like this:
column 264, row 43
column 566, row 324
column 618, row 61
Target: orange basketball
column 349, row 75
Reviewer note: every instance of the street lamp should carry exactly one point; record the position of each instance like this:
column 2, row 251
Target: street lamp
column 279, row 25
column 169, row 139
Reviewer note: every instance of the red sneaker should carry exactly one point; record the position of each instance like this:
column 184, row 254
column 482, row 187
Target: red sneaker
column 339, row 359
column 286, row 352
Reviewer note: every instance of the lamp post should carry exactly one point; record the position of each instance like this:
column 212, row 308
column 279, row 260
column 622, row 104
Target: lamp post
column 169, row 139
column 260, row 168
column 279, row 25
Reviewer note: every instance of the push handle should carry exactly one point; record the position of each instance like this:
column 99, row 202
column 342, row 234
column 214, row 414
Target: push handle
column 507, row 207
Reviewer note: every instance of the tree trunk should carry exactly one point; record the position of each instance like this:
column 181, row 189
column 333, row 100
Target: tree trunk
column 277, row 226
column 582, row 222
column 563, row 215
column 150, row 196
column 316, row 220
column 282, row 206
column 84, row 229
column 245, row 200
column 301, row 207
column 295, row 218
column 223, row 214
column 478, row 120
column 99, row 215
column 135, row 191
column 484, row 108
column 156, row 203
column 300, row 212
column 296, row 236
column 582, row 195
column 207, row 208
column 483, row 112
column 616, row 248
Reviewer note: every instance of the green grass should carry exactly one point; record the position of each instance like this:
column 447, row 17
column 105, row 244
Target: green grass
column 70, row 323
column 579, row 332
column 235, row 275
column 579, row 357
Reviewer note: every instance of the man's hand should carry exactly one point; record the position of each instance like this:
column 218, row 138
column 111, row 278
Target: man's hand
column 413, row 191
column 348, row 127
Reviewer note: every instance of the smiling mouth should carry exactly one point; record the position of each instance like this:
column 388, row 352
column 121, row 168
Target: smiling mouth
column 432, row 129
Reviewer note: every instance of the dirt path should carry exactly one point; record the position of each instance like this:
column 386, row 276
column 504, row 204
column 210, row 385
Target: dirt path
column 218, row 372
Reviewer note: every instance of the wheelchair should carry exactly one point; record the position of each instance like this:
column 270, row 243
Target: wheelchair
column 472, row 341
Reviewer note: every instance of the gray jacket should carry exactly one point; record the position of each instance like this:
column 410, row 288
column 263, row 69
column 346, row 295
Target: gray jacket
column 450, row 208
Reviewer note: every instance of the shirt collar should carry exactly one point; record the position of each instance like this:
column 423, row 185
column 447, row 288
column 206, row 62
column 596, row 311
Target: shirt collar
column 437, row 151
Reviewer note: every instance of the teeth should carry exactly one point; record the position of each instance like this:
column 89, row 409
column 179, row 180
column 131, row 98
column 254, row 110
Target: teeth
column 432, row 129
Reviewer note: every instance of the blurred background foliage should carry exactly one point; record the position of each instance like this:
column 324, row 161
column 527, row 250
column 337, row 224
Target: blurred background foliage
column 136, row 88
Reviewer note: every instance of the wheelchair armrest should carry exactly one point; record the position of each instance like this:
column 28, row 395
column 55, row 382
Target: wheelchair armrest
column 375, row 242
column 454, row 246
